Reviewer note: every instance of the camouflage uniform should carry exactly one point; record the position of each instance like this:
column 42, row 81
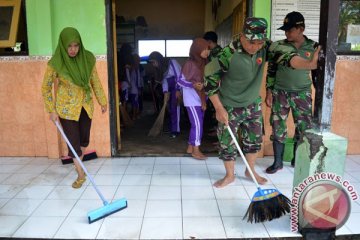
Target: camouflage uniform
column 214, row 52
column 235, row 76
column 291, row 88
column 210, row 110
column 250, row 121
column 300, row 105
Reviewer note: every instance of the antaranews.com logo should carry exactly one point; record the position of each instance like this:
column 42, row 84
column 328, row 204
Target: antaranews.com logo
column 322, row 201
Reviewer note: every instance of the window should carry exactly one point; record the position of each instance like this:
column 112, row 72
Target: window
column 349, row 27
column 9, row 18
column 148, row 46
column 168, row 48
column 13, row 34
column 178, row 48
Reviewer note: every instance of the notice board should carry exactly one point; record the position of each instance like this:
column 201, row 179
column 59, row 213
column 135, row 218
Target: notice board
column 310, row 9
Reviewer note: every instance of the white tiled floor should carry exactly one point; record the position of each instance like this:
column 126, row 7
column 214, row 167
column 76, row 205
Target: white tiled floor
column 168, row 198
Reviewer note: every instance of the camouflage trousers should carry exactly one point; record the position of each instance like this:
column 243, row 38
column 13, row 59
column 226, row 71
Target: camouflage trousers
column 300, row 104
column 250, row 121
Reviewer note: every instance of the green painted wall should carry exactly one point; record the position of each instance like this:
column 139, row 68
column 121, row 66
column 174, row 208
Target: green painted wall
column 46, row 19
column 262, row 8
column 38, row 17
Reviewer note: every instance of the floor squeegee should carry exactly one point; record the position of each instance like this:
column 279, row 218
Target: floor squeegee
column 108, row 208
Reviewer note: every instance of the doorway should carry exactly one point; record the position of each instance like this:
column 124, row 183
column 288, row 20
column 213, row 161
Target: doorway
column 129, row 27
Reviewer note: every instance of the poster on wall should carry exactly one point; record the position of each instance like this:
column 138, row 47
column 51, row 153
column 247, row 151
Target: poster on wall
column 310, row 9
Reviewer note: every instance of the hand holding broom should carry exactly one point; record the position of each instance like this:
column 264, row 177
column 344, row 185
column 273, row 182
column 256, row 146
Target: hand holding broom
column 266, row 204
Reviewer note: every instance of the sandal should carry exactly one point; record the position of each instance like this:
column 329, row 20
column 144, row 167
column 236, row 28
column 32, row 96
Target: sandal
column 78, row 182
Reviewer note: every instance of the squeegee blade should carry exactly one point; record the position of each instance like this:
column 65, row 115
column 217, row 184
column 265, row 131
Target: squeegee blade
column 107, row 210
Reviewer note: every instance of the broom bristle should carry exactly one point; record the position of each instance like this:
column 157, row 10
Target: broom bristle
column 158, row 125
column 125, row 117
column 268, row 209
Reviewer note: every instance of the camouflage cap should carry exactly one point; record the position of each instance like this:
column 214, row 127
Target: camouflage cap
column 255, row 28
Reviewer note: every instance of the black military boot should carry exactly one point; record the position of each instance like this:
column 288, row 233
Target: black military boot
column 278, row 157
column 293, row 159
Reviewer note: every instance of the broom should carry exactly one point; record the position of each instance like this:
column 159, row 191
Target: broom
column 88, row 155
column 153, row 96
column 108, row 208
column 159, row 122
column 125, row 116
column 266, row 204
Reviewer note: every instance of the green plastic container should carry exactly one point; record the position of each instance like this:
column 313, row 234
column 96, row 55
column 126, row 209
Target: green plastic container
column 288, row 150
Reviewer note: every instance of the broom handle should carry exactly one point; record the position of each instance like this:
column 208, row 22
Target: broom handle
column 81, row 164
column 153, row 95
column 242, row 156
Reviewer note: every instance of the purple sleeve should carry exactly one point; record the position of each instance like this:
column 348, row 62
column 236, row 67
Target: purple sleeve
column 177, row 77
column 182, row 82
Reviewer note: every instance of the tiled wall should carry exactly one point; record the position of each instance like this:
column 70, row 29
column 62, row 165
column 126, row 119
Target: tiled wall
column 25, row 129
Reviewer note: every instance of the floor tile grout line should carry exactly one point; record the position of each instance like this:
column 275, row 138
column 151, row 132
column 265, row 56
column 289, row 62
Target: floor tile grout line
column 146, row 202
column 61, row 224
column 181, row 202
column 217, row 204
column 77, row 201
column 94, row 175
column 28, row 216
column 180, row 175
column 249, row 197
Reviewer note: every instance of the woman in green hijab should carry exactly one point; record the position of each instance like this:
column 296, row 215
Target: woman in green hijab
column 73, row 74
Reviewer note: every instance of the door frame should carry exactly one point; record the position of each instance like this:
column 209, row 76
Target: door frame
column 112, row 83
column 325, row 77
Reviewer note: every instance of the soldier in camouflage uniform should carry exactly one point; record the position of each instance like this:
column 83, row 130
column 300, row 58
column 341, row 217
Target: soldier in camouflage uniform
column 232, row 82
column 288, row 84
column 210, row 121
column 212, row 39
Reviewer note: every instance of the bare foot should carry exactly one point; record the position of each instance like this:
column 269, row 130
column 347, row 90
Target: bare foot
column 224, row 181
column 199, row 156
column 189, row 149
column 261, row 180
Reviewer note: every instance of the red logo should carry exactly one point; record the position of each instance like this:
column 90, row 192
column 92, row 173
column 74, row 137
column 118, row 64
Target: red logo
column 307, row 54
column 324, row 205
column 259, row 60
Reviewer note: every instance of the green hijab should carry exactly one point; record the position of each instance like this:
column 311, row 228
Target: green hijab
column 77, row 69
